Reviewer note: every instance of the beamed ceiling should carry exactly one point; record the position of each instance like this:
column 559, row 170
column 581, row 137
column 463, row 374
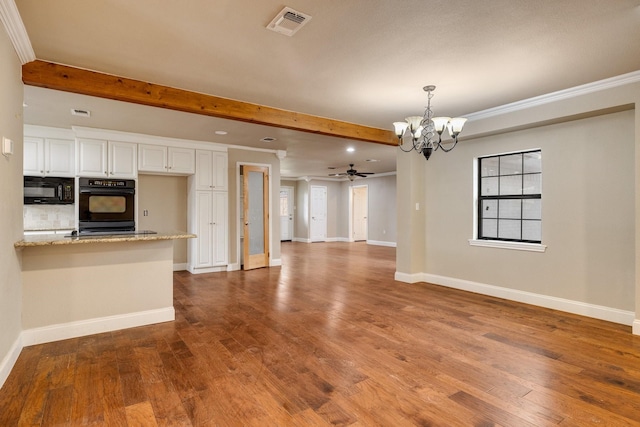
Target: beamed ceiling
column 341, row 81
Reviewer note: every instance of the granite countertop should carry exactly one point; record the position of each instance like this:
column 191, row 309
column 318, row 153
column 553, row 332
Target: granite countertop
column 60, row 239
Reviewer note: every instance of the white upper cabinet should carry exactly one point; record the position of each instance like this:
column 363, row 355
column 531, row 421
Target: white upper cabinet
column 92, row 158
column 211, row 170
column 161, row 159
column 49, row 157
column 182, row 160
column 152, row 158
column 123, row 160
column 100, row 158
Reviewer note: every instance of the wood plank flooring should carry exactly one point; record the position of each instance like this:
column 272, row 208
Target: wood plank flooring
column 331, row 339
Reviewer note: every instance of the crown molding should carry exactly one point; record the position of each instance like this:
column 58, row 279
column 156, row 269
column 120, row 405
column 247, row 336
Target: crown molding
column 12, row 21
column 613, row 82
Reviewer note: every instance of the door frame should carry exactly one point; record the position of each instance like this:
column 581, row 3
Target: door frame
column 239, row 210
column 351, row 187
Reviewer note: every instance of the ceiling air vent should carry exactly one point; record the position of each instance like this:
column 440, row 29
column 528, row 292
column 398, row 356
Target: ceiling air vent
column 288, row 21
column 82, row 113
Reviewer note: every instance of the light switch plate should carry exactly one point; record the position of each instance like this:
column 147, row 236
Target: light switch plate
column 7, row 146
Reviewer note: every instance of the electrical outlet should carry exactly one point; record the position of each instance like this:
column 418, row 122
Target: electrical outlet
column 145, row 213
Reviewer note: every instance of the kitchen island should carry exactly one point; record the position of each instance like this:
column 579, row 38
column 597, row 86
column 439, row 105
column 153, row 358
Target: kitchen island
column 75, row 286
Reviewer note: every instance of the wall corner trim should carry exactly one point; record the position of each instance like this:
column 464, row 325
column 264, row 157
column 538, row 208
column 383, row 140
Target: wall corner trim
column 9, row 361
column 636, row 327
column 560, row 95
column 16, row 30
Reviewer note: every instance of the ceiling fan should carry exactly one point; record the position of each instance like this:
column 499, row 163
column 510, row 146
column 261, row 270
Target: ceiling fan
column 351, row 173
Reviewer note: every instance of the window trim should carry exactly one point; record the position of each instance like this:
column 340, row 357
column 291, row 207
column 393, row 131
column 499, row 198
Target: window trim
column 506, row 244
column 498, row 243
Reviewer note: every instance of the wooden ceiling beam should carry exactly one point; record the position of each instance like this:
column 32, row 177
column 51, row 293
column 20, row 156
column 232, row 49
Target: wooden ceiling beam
column 76, row 80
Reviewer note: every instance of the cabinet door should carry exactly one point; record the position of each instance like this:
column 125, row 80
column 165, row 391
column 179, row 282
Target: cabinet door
column 123, row 160
column 182, row 160
column 152, row 158
column 220, row 171
column 59, row 155
column 220, row 236
column 33, row 156
column 204, row 229
column 204, row 170
column 92, row 157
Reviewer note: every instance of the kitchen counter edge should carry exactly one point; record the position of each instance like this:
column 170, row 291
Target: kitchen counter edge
column 54, row 240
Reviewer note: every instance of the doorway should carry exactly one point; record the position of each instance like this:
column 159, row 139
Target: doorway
column 359, row 213
column 286, row 213
column 255, row 214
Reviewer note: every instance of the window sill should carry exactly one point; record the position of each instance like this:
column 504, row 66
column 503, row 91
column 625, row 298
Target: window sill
column 518, row 246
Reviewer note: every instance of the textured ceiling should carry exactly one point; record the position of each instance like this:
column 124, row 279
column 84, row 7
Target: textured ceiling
column 361, row 61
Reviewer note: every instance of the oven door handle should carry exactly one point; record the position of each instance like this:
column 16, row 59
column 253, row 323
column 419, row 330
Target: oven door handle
column 105, row 192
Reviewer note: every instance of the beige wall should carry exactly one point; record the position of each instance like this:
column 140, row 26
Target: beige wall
column 301, row 230
column 381, row 218
column 72, row 283
column 587, row 214
column 382, row 207
column 165, row 199
column 237, row 157
column 591, row 182
column 11, row 96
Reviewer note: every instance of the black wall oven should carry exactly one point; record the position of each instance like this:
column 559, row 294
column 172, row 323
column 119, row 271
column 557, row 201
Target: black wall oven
column 106, row 205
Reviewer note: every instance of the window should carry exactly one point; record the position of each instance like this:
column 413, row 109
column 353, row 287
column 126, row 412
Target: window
column 510, row 197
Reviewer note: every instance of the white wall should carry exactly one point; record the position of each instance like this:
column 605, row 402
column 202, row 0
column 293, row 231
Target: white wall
column 11, row 97
column 591, row 182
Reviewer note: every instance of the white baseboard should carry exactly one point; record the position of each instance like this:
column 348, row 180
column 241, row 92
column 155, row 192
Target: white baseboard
column 9, row 361
column 635, row 329
column 275, row 262
column 298, row 239
column 233, row 267
column 570, row 306
column 381, row 243
column 208, row 269
column 81, row 328
column 408, row 278
column 180, row 267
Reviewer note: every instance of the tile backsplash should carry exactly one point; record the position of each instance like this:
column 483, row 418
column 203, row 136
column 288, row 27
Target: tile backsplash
column 49, row 217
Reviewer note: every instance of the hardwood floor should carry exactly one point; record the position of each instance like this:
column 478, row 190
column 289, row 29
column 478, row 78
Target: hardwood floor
column 331, row 339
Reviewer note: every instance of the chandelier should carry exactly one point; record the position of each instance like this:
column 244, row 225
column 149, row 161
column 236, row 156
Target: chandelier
column 426, row 131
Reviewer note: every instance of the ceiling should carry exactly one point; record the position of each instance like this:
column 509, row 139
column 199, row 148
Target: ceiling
column 359, row 61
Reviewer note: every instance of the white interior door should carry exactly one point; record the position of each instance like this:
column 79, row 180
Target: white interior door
column 318, row 214
column 286, row 213
column 360, row 212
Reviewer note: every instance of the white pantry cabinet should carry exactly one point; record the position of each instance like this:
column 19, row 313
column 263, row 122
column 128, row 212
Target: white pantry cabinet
column 48, row 157
column 162, row 159
column 112, row 159
column 209, row 249
column 211, row 170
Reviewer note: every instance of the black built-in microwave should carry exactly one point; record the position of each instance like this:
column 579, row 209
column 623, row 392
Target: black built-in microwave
column 48, row 190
